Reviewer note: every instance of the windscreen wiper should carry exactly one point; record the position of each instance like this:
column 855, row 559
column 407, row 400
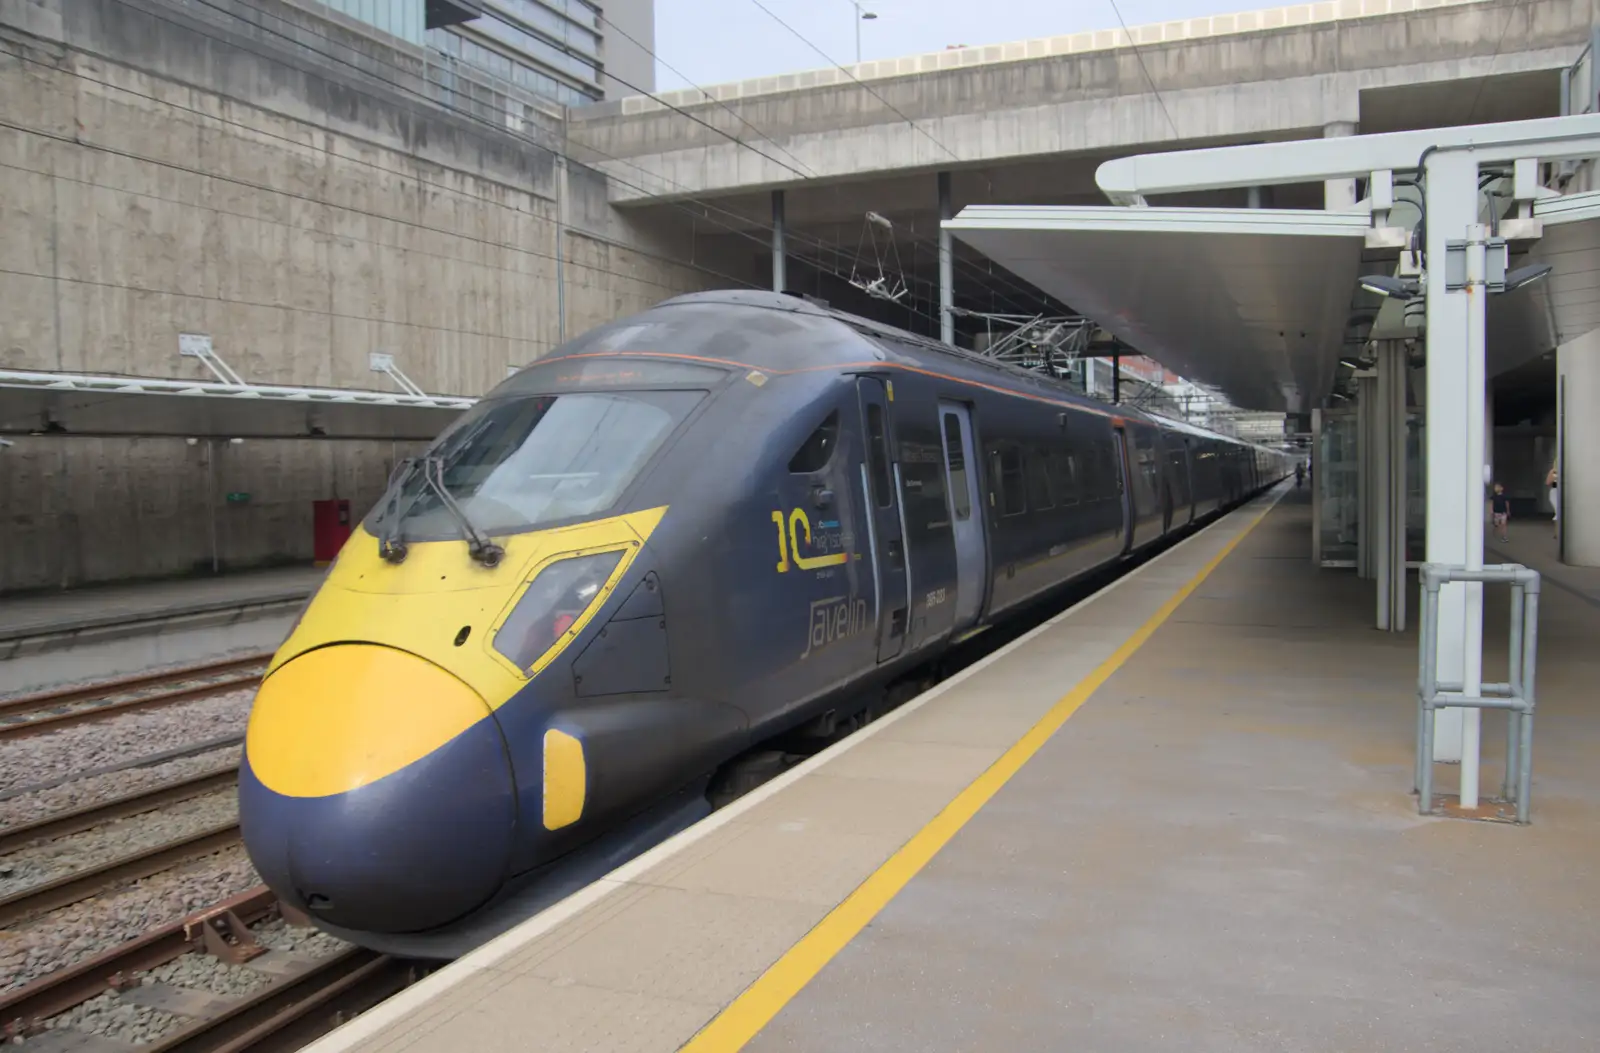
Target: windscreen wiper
column 392, row 547
column 481, row 547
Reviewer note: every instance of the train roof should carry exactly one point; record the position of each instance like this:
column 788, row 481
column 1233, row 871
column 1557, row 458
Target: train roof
column 1184, row 427
column 909, row 341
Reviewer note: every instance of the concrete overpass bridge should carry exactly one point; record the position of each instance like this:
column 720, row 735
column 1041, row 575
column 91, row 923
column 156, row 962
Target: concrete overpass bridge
column 1029, row 123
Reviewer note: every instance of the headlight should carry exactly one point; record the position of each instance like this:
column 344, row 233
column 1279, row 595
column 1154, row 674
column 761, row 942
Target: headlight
column 552, row 603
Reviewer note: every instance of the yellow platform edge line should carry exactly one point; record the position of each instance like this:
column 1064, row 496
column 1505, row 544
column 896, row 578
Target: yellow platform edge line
column 746, row 1015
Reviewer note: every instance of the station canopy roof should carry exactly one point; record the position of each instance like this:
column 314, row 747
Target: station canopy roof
column 1263, row 303
column 1251, row 301
column 35, row 403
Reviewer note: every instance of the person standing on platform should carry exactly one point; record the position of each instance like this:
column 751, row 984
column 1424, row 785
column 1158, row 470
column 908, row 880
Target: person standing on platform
column 1500, row 509
column 1299, row 473
column 1553, row 481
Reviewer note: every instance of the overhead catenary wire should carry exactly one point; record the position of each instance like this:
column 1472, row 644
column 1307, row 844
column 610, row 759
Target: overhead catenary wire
column 820, row 263
column 246, row 184
column 708, row 207
column 1139, row 57
column 255, row 131
column 837, row 252
column 82, row 143
column 804, row 174
column 465, row 114
column 892, row 107
column 1500, row 43
column 735, row 114
column 865, row 87
column 804, row 170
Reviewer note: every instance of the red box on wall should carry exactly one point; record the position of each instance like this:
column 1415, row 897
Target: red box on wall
column 330, row 525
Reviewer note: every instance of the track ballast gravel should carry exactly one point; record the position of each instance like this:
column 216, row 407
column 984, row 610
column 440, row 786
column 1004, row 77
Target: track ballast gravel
column 49, row 756
column 41, row 863
column 69, row 935
column 81, row 793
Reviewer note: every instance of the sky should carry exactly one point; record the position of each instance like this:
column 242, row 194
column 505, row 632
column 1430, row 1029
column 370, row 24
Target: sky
column 716, row 41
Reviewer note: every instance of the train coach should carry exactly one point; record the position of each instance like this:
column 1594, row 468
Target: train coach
column 732, row 517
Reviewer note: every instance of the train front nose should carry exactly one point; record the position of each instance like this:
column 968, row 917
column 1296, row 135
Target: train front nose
column 375, row 790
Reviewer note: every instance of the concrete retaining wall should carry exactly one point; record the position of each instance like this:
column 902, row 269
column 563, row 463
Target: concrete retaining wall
column 279, row 184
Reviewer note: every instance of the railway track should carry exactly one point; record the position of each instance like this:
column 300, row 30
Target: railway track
column 52, row 710
column 302, row 997
column 295, row 997
column 76, row 820
column 83, row 883
column 130, row 866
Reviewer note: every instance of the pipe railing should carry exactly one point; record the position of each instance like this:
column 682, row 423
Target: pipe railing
column 1516, row 695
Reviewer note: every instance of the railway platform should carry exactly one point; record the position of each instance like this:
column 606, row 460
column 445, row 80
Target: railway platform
column 1533, row 545
column 1175, row 817
column 54, row 640
column 47, row 621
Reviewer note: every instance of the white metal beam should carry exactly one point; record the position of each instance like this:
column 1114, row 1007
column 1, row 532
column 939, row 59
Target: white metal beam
column 1569, row 208
column 40, row 403
column 84, row 382
column 1116, row 219
column 1127, row 180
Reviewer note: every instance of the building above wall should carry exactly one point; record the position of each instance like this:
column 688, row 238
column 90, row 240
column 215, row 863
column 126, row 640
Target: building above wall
column 553, row 48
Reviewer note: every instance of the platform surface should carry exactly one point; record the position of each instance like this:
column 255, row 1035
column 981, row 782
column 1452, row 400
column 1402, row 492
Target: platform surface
column 1533, row 544
column 1175, row 818
column 40, row 613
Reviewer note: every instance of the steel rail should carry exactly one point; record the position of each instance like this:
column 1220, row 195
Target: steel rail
column 279, row 1017
column 138, row 802
column 70, row 888
column 287, row 1014
column 100, row 689
column 87, row 714
column 23, row 1010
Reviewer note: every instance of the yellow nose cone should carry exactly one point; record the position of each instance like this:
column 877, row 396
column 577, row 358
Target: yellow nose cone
column 338, row 718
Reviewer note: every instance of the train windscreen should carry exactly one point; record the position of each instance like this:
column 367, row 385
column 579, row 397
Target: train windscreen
column 610, row 372
column 516, row 464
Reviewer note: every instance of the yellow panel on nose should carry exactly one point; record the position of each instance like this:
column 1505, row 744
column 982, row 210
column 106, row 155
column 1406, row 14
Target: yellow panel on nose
column 566, row 779
column 337, row 718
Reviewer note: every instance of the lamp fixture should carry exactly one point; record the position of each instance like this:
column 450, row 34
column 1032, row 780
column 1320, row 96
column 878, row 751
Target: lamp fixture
column 1526, row 275
column 1389, row 286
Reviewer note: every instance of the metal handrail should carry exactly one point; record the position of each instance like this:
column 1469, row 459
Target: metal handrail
column 1516, row 696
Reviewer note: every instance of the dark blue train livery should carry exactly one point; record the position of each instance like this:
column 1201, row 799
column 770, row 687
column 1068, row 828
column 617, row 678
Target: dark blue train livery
column 732, row 518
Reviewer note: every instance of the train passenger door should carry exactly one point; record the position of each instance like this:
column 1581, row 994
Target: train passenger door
column 1179, row 468
column 885, row 534
column 966, row 516
column 1119, row 444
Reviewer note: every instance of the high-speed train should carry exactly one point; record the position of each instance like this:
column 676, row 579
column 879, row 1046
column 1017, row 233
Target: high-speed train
column 731, row 517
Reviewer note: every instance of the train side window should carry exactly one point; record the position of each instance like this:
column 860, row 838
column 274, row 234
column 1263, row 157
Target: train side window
column 1091, row 475
column 1038, row 480
column 1013, row 498
column 1147, row 464
column 1064, row 476
column 878, row 455
column 955, row 454
column 817, row 451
